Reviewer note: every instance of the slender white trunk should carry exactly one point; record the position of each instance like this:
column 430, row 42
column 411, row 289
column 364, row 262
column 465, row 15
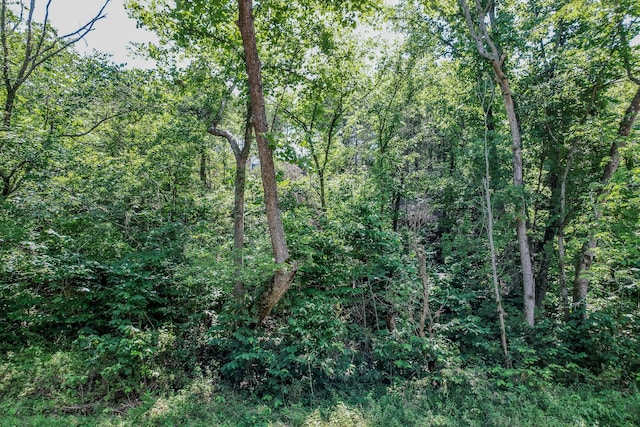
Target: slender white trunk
column 488, row 50
column 494, row 269
column 562, row 275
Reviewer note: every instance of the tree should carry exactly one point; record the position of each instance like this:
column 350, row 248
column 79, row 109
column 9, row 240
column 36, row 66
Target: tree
column 487, row 100
column 586, row 255
column 185, row 25
column 322, row 100
column 26, row 47
column 241, row 150
column 285, row 270
column 488, row 49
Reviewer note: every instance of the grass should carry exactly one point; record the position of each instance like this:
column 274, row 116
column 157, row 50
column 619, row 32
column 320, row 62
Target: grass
column 204, row 403
column 40, row 388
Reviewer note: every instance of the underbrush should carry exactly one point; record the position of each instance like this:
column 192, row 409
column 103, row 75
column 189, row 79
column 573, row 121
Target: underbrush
column 40, row 388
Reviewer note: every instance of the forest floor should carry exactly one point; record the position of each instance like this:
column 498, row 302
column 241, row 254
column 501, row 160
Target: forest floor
column 408, row 403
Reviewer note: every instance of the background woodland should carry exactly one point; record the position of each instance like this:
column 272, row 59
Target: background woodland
column 308, row 200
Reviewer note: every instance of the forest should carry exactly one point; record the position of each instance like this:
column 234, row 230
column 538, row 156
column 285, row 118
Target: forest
column 323, row 213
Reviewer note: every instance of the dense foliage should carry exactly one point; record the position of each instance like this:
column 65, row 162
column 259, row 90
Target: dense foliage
column 121, row 281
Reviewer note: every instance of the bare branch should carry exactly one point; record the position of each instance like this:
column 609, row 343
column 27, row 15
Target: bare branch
column 20, row 18
column 86, row 28
column 625, row 56
column 43, row 34
column 296, row 119
column 96, row 125
column 44, row 54
column 27, row 49
column 471, row 26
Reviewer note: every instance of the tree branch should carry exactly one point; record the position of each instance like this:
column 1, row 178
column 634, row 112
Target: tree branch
column 95, row 125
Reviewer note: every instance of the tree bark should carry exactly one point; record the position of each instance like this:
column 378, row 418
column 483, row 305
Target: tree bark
column 586, row 256
column 492, row 248
column 528, row 281
column 494, row 272
column 238, row 224
column 542, row 272
column 488, row 50
column 323, row 197
column 426, row 291
column 285, row 270
column 8, row 108
column 204, row 169
column 562, row 276
column 241, row 154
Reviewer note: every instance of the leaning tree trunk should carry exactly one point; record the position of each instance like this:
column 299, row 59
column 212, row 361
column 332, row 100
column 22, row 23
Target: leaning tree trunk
column 286, row 270
column 488, row 50
column 486, row 181
column 494, row 268
column 586, row 255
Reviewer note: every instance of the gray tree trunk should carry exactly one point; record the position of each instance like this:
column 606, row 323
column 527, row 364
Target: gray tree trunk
column 488, row 50
column 241, row 154
column 586, row 255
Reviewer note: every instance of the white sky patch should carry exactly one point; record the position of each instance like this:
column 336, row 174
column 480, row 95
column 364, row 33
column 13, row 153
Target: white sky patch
column 112, row 34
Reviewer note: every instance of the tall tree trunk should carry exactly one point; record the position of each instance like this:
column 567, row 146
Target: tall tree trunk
column 545, row 249
column 492, row 248
column 8, row 108
column 426, row 291
column 562, row 276
column 487, row 49
column 494, row 273
column 323, row 197
column 286, row 270
column 396, row 199
column 238, row 223
column 528, row 281
column 586, row 255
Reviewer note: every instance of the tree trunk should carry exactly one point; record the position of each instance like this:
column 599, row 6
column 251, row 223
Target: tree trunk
column 241, row 154
column 586, row 255
column 477, row 26
column 426, row 291
column 492, row 248
column 528, row 281
column 8, row 108
column 323, row 197
column 286, row 270
column 562, row 276
column 238, row 223
column 204, row 169
column 545, row 249
column 396, row 200
column 494, row 273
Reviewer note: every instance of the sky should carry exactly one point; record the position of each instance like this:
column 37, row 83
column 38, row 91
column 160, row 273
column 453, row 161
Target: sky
column 112, row 34
column 116, row 31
